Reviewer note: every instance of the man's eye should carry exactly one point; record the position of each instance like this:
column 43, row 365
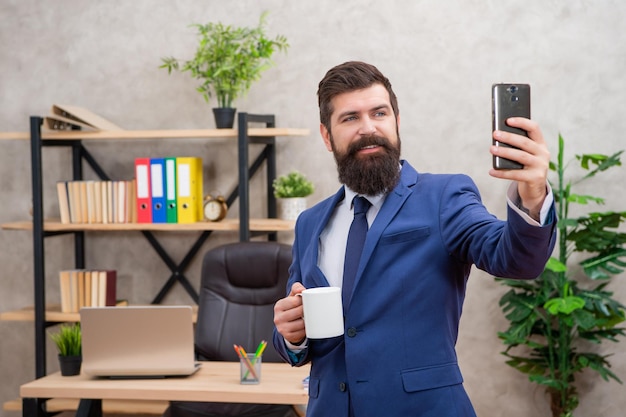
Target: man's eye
column 349, row 118
column 380, row 113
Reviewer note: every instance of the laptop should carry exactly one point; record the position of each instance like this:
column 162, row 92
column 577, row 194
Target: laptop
column 138, row 341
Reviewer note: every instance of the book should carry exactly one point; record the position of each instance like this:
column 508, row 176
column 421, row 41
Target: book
column 69, row 116
column 87, row 289
column 98, row 200
column 80, row 292
column 95, row 286
column 131, row 203
column 111, row 202
column 73, row 189
column 73, row 291
column 66, row 301
column 90, row 189
column 84, row 205
column 64, row 204
column 107, row 288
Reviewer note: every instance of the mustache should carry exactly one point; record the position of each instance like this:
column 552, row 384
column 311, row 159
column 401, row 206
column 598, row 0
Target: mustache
column 368, row 140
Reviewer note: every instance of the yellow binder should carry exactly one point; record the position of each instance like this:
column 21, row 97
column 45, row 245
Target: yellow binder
column 189, row 189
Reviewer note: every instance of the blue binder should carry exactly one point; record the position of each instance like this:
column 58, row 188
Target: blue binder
column 157, row 177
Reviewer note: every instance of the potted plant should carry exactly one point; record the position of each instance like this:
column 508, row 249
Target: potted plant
column 553, row 318
column 291, row 190
column 69, row 345
column 227, row 60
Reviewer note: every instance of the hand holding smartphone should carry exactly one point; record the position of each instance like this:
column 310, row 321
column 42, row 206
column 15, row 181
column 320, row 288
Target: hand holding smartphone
column 508, row 100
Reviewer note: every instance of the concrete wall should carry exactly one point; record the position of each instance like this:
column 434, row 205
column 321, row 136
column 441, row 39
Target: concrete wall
column 441, row 57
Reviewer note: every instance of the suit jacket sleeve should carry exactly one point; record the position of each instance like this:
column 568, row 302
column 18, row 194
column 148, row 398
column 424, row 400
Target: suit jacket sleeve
column 511, row 249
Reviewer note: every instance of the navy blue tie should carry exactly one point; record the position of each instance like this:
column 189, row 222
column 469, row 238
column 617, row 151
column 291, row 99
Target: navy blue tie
column 354, row 247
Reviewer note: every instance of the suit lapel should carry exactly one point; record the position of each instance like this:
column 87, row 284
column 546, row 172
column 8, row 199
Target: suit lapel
column 314, row 248
column 394, row 201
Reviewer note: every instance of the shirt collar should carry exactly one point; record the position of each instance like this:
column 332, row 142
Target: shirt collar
column 375, row 200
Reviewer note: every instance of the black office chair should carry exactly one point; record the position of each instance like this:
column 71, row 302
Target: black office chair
column 240, row 284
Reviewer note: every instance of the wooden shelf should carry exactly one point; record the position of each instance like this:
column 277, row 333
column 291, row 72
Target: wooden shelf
column 256, row 225
column 54, row 405
column 154, row 134
column 54, row 315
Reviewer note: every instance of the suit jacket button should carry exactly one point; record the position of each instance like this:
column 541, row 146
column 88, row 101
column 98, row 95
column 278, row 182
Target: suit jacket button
column 342, row 386
column 351, row 332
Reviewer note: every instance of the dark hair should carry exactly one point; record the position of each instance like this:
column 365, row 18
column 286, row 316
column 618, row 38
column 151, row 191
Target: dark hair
column 346, row 77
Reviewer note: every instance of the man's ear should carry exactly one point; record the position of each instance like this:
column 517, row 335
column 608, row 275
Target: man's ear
column 326, row 136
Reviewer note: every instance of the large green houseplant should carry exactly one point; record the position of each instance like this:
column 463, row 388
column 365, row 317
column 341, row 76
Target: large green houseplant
column 228, row 59
column 569, row 307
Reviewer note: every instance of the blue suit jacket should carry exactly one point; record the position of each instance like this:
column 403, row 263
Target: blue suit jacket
column 397, row 356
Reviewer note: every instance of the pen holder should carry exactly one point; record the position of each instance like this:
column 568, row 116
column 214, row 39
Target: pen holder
column 250, row 369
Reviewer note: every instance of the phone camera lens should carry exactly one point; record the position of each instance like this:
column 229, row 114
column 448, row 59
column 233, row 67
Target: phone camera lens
column 513, row 89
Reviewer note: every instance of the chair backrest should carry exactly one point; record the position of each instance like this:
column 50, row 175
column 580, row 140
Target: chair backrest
column 240, row 284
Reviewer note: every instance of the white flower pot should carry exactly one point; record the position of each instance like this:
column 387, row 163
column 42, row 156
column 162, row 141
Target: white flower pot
column 290, row 208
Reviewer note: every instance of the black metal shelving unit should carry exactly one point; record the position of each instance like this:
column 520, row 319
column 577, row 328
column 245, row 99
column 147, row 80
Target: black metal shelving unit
column 81, row 154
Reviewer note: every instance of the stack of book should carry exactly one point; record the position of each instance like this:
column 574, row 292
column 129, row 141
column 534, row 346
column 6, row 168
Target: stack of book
column 87, row 288
column 97, row 201
column 169, row 190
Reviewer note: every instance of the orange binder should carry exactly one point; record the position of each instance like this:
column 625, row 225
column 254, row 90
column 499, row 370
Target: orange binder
column 144, row 201
column 189, row 189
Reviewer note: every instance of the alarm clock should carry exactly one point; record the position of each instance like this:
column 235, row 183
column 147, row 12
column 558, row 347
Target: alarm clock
column 215, row 208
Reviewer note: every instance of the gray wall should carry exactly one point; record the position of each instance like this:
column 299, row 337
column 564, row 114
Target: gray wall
column 442, row 59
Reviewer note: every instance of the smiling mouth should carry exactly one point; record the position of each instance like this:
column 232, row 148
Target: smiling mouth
column 368, row 145
column 369, row 149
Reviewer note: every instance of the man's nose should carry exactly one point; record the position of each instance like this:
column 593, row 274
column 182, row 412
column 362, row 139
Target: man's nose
column 367, row 126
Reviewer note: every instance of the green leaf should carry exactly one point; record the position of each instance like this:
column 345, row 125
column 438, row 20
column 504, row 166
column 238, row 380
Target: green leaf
column 564, row 305
column 584, row 319
column 555, row 265
column 547, row 381
column 584, row 199
column 605, row 264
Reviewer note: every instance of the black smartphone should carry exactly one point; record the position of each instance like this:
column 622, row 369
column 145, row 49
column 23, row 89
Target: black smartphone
column 508, row 100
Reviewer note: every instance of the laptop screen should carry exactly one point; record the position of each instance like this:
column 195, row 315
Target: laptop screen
column 138, row 341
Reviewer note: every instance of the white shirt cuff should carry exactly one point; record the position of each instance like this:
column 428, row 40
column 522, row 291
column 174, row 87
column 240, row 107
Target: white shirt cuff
column 513, row 196
column 297, row 348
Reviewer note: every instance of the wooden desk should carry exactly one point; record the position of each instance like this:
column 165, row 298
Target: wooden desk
column 215, row 381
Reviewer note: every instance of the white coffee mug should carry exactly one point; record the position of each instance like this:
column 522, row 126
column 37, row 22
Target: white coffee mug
column 323, row 312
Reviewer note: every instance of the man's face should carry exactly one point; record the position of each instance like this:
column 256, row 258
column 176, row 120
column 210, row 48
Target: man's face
column 364, row 140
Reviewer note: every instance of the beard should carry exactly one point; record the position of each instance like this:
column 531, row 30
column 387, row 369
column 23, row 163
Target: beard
column 373, row 174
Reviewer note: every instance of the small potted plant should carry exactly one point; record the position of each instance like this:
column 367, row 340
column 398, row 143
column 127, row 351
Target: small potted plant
column 69, row 344
column 227, row 60
column 291, row 190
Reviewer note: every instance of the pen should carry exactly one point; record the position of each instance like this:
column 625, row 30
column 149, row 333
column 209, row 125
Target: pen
column 260, row 349
column 241, row 352
column 257, row 354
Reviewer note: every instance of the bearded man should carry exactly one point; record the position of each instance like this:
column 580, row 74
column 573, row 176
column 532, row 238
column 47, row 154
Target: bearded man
column 403, row 293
